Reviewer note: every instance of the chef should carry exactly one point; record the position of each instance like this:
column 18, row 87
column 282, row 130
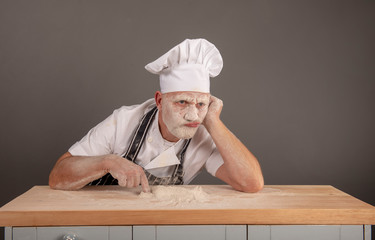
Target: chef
column 166, row 140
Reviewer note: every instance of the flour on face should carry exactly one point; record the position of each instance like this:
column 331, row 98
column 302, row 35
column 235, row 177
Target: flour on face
column 183, row 112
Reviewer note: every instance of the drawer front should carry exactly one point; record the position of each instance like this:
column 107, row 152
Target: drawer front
column 188, row 232
column 80, row 233
column 305, row 232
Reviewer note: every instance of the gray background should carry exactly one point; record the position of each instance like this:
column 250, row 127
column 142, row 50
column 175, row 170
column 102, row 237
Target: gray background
column 298, row 81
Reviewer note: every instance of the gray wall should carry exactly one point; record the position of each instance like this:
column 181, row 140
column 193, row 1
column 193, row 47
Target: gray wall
column 298, row 81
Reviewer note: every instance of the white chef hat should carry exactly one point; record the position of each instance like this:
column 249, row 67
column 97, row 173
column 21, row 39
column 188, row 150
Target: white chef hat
column 188, row 66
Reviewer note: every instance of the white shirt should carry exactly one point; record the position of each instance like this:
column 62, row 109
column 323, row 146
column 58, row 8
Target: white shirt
column 113, row 136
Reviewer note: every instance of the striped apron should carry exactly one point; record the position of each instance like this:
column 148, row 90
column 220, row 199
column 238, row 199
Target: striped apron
column 131, row 154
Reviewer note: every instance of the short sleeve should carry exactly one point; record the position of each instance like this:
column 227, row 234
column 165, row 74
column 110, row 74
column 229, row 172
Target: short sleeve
column 99, row 140
column 214, row 162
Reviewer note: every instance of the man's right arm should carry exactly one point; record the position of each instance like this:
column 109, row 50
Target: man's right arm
column 74, row 172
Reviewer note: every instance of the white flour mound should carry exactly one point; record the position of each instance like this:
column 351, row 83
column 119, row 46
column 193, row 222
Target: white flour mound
column 177, row 195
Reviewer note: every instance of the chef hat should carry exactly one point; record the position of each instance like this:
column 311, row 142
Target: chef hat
column 188, row 66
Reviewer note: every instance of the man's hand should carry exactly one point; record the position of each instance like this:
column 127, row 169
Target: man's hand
column 74, row 172
column 214, row 110
column 127, row 173
column 241, row 169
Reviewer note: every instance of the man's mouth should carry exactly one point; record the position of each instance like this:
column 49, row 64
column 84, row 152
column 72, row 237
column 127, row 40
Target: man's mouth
column 192, row 125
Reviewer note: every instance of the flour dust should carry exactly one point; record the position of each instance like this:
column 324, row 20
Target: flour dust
column 176, row 195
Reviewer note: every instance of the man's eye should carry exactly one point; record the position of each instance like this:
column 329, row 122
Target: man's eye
column 182, row 102
column 201, row 104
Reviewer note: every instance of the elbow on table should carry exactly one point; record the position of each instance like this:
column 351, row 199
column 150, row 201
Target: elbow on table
column 53, row 184
column 51, row 181
column 56, row 184
column 61, row 186
column 252, row 186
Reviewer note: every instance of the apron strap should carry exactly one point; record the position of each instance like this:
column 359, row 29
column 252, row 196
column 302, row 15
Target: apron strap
column 178, row 173
column 136, row 143
column 179, row 169
column 139, row 135
column 133, row 150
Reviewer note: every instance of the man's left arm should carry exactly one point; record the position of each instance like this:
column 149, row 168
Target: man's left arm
column 241, row 169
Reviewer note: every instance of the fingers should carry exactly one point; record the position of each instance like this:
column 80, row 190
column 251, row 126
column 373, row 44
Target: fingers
column 130, row 183
column 218, row 103
column 121, row 181
column 144, row 183
column 139, row 179
column 213, row 99
column 131, row 177
column 214, row 111
column 135, row 181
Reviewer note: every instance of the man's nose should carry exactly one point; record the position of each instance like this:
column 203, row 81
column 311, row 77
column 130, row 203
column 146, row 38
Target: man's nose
column 191, row 114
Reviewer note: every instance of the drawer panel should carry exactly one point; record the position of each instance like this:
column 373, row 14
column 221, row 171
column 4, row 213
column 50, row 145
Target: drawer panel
column 196, row 232
column 58, row 233
column 82, row 233
column 306, row 232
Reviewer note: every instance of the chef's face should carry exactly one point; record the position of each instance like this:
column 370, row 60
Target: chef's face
column 183, row 112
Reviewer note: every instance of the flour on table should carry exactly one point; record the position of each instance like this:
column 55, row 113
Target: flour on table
column 176, row 195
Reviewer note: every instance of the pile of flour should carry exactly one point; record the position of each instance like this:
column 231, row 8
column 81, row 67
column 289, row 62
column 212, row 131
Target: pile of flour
column 176, row 195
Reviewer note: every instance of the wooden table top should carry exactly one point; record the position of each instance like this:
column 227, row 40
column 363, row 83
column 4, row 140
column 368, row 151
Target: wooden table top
column 114, row 205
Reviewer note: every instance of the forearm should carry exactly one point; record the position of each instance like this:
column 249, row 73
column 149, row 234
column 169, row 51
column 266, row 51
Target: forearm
column 74, row 172
column 241, row 169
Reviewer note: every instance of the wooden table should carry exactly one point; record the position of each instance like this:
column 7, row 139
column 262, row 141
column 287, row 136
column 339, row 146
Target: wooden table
column 116, row 206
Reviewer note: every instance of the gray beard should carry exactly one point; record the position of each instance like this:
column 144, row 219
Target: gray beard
column 183, row 132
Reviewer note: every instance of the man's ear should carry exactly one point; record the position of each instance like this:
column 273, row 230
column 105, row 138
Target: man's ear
column 158, row 99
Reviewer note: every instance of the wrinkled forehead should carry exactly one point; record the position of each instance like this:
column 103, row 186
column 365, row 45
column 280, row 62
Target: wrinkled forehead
column 187, row 96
